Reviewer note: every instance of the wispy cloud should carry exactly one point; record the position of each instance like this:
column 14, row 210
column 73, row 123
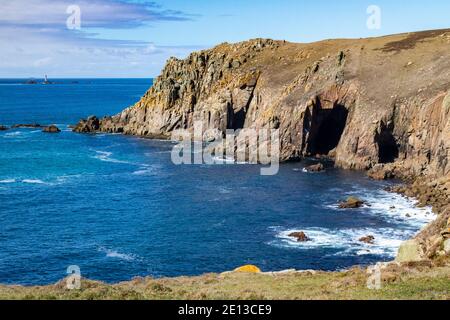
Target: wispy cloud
column 34, row 38
column 52, row 14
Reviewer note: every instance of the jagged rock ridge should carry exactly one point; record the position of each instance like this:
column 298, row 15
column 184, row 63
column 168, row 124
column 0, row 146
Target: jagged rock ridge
column 366, row 102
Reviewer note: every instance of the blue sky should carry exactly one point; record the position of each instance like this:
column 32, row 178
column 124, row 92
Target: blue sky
column 133, row 38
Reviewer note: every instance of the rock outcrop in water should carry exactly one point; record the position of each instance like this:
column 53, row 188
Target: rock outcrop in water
column 26, row 126
column 315, row 168
column 351, row 203
column 51, row 129
column 378, row 104
column 300, row 236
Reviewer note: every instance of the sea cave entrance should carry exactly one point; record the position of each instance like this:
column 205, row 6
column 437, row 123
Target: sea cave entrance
column 326, row 129
column 388, row 150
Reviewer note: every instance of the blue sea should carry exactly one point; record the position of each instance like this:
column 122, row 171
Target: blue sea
column 118, row 208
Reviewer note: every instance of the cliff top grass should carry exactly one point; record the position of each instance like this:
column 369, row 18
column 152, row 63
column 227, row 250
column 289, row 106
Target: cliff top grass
column 401, row 284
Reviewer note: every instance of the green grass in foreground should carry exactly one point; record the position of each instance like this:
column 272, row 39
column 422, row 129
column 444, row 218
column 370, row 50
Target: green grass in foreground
column 428, row 283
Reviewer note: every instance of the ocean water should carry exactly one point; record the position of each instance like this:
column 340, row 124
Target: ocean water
column 118, row 208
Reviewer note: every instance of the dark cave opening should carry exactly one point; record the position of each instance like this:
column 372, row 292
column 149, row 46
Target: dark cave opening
column 388, row 150
column 327, row 129
column 239, row 119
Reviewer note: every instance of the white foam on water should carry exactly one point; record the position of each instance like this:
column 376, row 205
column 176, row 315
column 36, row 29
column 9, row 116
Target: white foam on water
column 103, row 155
column 20, row 134
column 392, row 207
column 13, row 134
column 224, row 190
column 397, row 208
column 402, row 212
column 114, row 254
column 219, row 160
column 118, row 255
column 144, row 171
column 33, row 181
column 106, row 157
column 66, row 178
column 8, row 181
column 345, row 241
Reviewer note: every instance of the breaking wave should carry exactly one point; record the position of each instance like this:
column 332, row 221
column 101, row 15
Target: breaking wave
column 113, row 254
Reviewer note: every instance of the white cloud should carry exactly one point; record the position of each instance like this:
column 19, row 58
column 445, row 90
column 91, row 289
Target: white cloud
column 42, row 62
column 94, row 13
column 34, row 39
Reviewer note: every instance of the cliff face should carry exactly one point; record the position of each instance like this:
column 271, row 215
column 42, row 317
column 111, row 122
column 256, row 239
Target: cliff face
column 381, row 104
column 365, row 102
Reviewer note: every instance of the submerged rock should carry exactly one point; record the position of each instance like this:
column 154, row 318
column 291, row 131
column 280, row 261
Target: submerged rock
column 300, row 236
column 51, row 129
column 352, row 203
column 27, row 126
column 315, row 168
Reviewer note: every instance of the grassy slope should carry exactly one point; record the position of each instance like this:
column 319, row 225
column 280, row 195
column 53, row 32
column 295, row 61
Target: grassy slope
column 422, row 283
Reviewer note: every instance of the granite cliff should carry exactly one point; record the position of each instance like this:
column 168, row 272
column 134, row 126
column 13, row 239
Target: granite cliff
column 378, row 104
column 369, row 101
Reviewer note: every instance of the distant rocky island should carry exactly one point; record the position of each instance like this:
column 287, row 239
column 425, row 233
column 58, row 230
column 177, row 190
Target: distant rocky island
column 378, row 104
column 46, row 81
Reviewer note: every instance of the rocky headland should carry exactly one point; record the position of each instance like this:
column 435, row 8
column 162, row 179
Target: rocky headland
column 377, row 104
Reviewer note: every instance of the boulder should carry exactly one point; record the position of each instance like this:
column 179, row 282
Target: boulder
column 380, row 172
column 410, row 251
column 300, row 236
column 51, row 129
column 351, row 203
column 368, row 239
column 248, row 269
column 3, row 128
column 315, row 168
